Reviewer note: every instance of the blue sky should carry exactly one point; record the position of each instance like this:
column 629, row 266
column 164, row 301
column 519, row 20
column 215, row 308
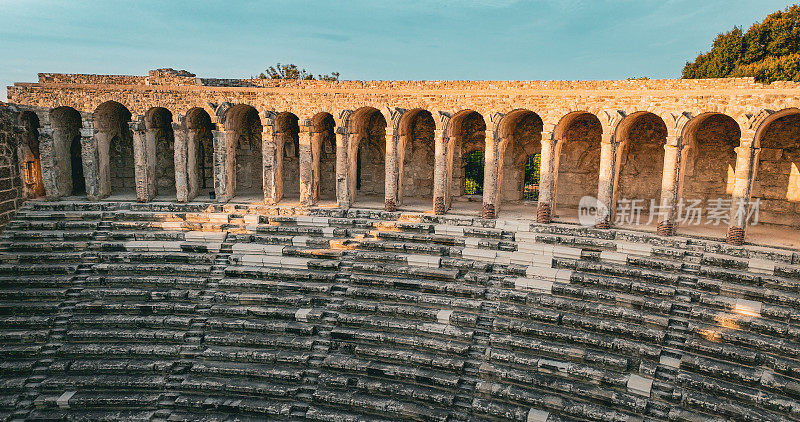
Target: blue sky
column 407, row 39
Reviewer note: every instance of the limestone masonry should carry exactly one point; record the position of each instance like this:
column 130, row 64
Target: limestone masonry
column 182, row 248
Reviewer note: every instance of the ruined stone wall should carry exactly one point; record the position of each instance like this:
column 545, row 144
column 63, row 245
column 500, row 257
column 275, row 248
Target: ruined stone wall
column 418, row 159
column 642, row 160
column 777, row 178
column 10, row 183
column 579, row 162
column 372, row 150
column 525, row 142
column 711, row 160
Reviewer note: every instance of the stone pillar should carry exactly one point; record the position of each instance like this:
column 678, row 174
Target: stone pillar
column 224, row 163
column 316, row 157
column 605, row 186
column 193, row 161
column 343, row 195
column 144, row 166
column 307, row 182
column 90, row 161
column 547, row 170
column 440, row 175
column 272, row 157
column 390, row 201
column 491, row 175
column 56, row 184
column 669, row 186
column 183, row 186
column 402, row 142
column 743, row 178
column 62, row 138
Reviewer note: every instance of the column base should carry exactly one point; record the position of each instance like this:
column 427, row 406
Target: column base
column 735, row 236
column 665, row 228
column 603, row 224
column 438, row 205
column 543, row 213
column 390, row 205
column 489, row 211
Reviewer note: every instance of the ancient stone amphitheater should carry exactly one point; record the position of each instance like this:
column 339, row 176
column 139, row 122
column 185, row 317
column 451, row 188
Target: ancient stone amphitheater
column 179, row 248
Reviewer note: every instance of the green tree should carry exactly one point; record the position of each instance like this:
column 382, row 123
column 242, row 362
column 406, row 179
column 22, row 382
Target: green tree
column 768, row 51
column 291, row 71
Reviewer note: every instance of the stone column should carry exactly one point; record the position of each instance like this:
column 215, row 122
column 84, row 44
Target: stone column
column 307, row 182
column 90, row 161
column 62, row 160
column 440, row 193
column 342, row 169
column 55, row 183
column 390, row 201
column 144, row 169
column 669, row 186
column 193, row 162
column 183, row 186
column 605, row 186
column 491, row 174
column 272, row 155
column 316, row 157
column 743, row 177
column 224, row 163
column 547, row 170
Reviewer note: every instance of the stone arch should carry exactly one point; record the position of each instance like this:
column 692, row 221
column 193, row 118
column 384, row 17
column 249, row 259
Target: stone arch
column 576, row 161
column 708, row 159
column 466, row 133
column 160, row 140
column 28, row 154
column 199, row 150
column 286, row 136
column 244, row 162
column 416, row 154
column 66, row 123
column 367, row 153
column 520, row 136
column 640, row 138
column 114, row 144
column 323, row 153
column 776, row 178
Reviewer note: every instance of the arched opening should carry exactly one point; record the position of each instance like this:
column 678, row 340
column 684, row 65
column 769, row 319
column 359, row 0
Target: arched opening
column 158, row 122
column 245, row 124
column 776, row 182
column 530, row 185
column 66, row 124
column 416, row 159
column 200, row 152
column 287, row 142
column 576, row 163
column 367, row 152
column 466, row 134
column 29, row 156
column 323, row 153
column 639, row 169
column 473, row 173
column 519, row 153
column 114, row 142
column 708, row 162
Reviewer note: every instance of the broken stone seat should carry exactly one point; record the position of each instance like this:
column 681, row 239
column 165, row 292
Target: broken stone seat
column 374, row 407
column 193, row 407
column 89, row 400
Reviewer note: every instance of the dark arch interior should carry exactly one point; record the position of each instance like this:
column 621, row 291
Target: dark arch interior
column 244, row 120
column 111, row 119
column 418, row 155
column 287, row 125
column 577, row 161
column 468, row 135
column 66, row 122
column 522, row 132
column 641, row 165
column 324, row 145
column 776, row 184
column 198, row 122
column 370, row 163
column 159, row 125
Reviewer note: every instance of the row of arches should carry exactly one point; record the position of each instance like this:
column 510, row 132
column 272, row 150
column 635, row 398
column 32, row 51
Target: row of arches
column 465, row 153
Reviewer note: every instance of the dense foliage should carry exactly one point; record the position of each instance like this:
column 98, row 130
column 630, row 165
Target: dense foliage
column 769, row 51
column 291, row 71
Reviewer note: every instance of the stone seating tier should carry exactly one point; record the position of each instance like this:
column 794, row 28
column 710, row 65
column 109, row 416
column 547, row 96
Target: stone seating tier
column 119, row 310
